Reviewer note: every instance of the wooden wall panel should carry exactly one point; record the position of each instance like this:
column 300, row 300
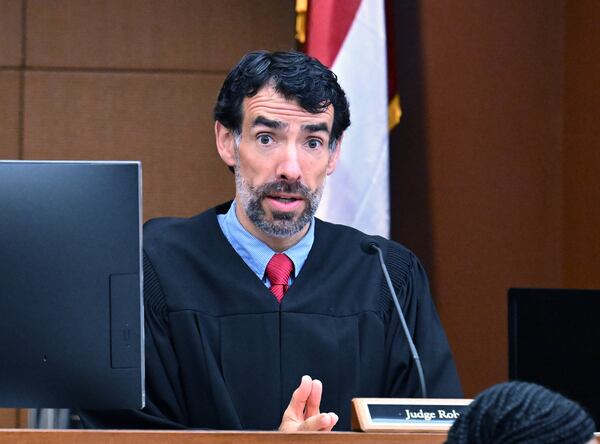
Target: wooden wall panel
column 164, row 120
column 493, row 80
column 581, row 156
column 10, row 56
column 9, row 418
column 154, row 34
column 10, row 32
column 9, row 114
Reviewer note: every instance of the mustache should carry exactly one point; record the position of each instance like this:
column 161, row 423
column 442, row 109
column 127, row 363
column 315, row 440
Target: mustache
column 282, row 186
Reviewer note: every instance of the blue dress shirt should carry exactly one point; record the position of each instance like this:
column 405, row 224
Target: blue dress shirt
column 255, row 253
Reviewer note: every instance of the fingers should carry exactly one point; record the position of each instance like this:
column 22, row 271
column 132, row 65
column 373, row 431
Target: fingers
column 322, row 422
column 314, row 399
column 300, row 398
column 303, row 412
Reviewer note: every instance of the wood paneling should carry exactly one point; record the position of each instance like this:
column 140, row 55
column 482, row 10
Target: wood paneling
column 154, row 34
column 496, row 160
column 581, row 156
column 493, row 145
column 10, row 92
column 163, row 120
column 9, row 418
column 9, row 114
column 10, row 32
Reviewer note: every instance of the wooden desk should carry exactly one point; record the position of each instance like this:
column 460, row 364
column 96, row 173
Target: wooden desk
column 25, row 436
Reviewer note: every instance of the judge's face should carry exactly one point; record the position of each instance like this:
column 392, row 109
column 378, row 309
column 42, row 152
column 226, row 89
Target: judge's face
column 281, row 160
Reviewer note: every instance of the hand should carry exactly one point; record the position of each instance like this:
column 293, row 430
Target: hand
column 303, row 412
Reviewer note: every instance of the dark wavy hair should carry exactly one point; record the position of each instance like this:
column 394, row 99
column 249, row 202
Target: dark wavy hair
column 294, row 75
column 521, row 412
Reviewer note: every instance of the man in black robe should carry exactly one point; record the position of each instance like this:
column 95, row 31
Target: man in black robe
column 228, row 342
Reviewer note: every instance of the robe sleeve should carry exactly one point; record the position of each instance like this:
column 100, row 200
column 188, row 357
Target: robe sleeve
column 165, row 402
column 412, row 288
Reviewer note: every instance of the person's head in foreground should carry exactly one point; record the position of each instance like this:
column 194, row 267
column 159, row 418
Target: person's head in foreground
column 521, row 412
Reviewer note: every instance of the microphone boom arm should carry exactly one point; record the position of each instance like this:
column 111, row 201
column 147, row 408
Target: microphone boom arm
column 413, row 349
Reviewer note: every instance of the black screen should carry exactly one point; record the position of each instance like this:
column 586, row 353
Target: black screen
column 70, row 285
column 554, row 341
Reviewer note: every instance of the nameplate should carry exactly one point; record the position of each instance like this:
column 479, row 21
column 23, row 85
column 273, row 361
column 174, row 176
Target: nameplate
column 406, row 414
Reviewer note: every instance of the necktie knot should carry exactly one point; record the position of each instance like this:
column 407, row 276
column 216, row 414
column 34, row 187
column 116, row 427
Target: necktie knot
column 279, row 270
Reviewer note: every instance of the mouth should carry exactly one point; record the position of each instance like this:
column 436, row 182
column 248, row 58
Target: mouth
column 284, row 202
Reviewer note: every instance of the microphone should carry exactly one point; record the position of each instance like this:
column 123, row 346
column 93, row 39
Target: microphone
column 371, row 247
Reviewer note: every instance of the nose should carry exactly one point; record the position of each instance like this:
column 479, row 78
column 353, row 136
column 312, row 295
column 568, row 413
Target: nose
column 288, row 166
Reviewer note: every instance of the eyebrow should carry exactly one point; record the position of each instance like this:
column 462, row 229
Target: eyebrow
column 315, row 127
column 269, row 123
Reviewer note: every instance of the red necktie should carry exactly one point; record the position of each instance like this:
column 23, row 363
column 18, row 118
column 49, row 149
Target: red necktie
column 279, row 270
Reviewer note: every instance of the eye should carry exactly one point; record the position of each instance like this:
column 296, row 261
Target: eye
column 314, row 143
column 264, row 139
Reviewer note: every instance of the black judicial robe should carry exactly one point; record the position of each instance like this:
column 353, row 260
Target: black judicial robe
column 221, row 353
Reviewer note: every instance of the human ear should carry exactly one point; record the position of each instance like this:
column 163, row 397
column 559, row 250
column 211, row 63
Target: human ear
column 225, row 140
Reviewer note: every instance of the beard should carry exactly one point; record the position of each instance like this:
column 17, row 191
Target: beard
column 279, row 224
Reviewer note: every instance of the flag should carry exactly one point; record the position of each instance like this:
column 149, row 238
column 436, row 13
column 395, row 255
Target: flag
column 349, row 36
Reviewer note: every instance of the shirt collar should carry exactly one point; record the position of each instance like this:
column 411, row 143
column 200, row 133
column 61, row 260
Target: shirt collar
column 255, row 253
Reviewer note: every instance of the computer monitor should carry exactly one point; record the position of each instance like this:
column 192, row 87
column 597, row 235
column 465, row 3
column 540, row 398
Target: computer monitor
column 70, row 285
column 554, row 341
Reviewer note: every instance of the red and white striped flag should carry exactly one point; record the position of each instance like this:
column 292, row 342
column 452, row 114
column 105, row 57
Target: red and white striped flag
column 349, row 36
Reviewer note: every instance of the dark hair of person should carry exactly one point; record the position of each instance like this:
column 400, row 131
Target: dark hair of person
column 520, row 412
column 294, row 75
